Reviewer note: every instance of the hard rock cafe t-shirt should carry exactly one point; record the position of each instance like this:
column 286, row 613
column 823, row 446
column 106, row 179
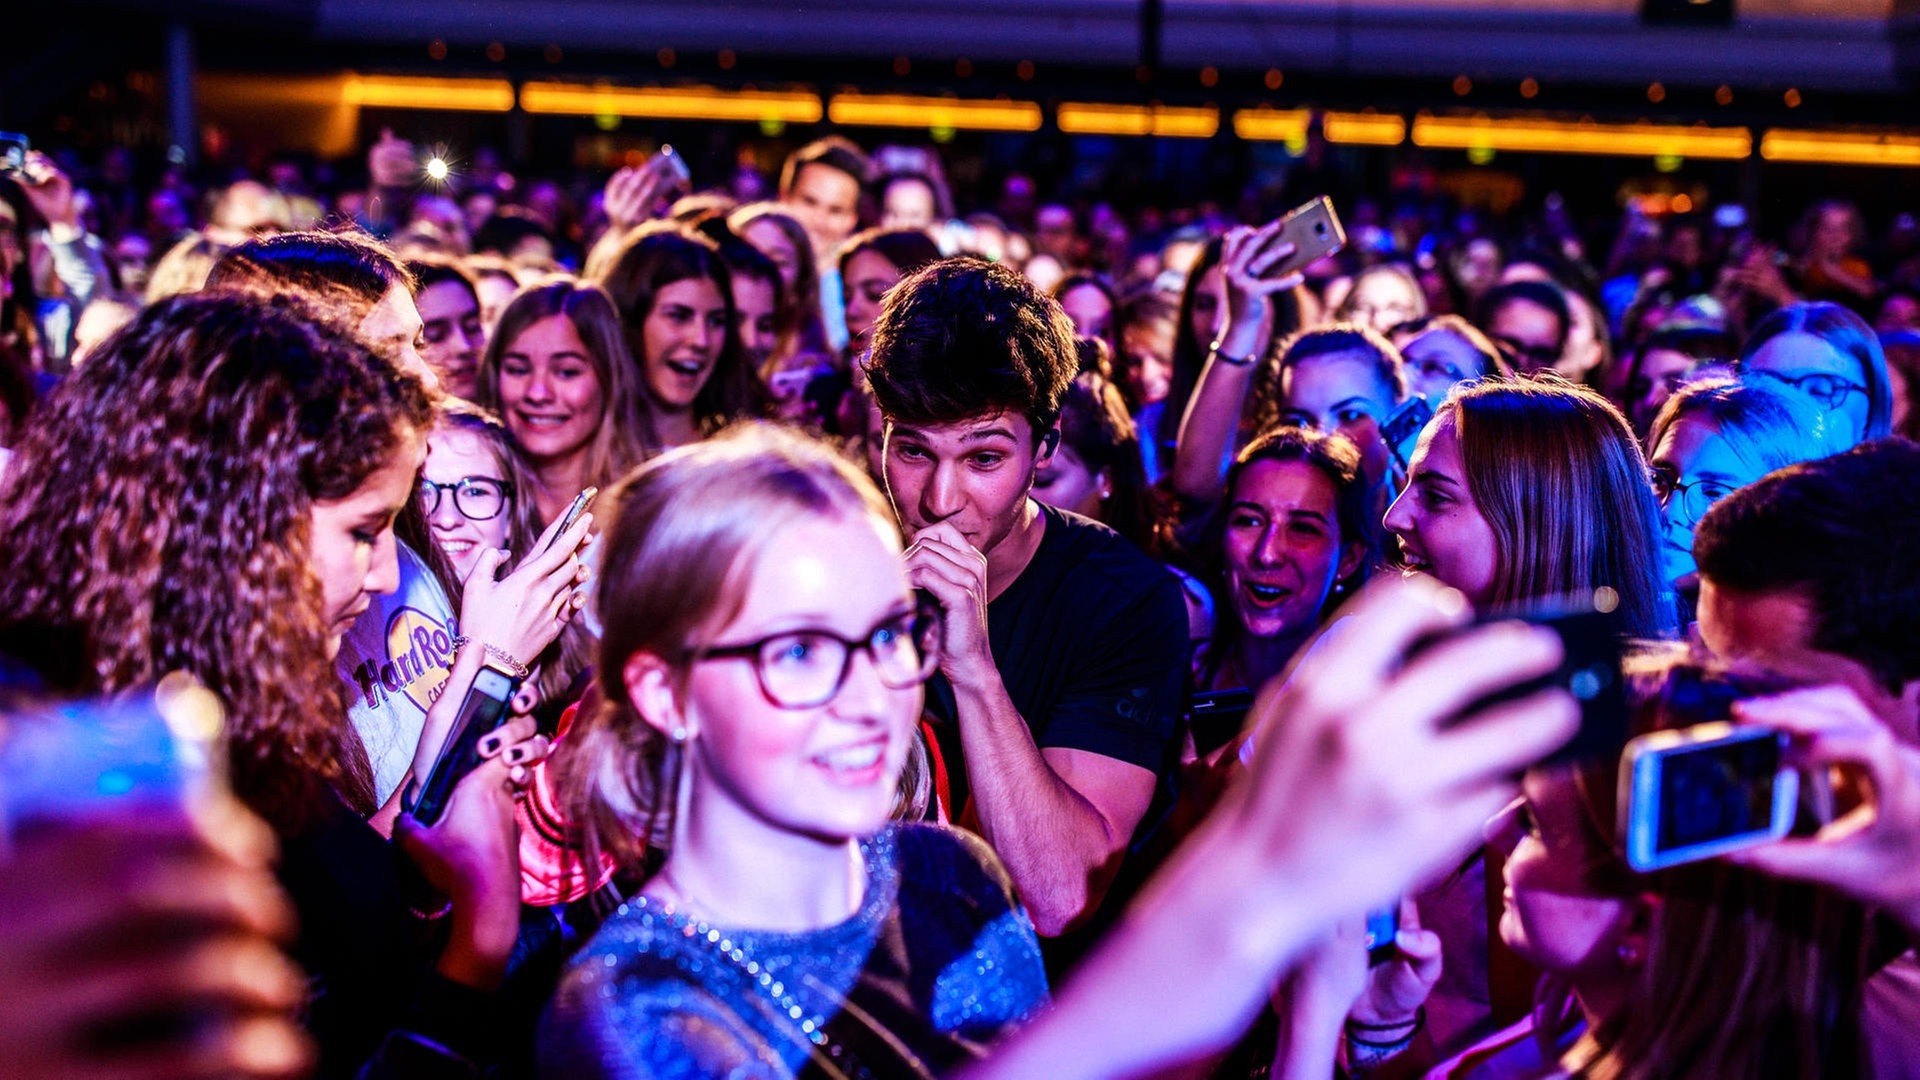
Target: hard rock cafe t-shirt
column 395, row 660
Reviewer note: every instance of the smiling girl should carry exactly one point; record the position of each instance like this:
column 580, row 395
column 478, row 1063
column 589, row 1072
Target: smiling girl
column 758, row 717
column 675, row 299
column 1534, row 491
column 558, row 373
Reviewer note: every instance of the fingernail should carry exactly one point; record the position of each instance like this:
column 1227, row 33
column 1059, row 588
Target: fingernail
column 516, row 755
column 490, row 745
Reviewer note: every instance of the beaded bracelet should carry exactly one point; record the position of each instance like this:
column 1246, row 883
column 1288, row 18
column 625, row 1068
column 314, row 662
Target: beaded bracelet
column 507, row 660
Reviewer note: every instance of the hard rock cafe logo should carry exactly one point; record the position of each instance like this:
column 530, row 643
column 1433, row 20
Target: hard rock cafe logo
column 419, row 661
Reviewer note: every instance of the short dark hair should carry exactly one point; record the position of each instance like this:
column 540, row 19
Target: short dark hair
column 314, row 262
column 431, row 270
column 963, row 337
column 1541, row 294
column 1845, row 532
column 906, row 250
column 835, row 152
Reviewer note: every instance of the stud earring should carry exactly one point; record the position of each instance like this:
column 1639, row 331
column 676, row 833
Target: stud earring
column 1629, row 955
column 678, row 735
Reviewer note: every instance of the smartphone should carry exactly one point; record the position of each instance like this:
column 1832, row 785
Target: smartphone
column 574, row 509
column 1383, row 926
column 1696, row 792
column 483, row 709
column 1216, row 716
column 13, row 151
column 1402, row 430
column 154, row 747
column 1315, row 233
column 674, row 165
column 1590, row 635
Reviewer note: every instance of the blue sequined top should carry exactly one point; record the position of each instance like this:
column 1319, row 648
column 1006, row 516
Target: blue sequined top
column 938, row 963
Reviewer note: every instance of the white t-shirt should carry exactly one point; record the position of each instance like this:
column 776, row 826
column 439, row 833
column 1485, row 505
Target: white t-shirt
column 396, row 660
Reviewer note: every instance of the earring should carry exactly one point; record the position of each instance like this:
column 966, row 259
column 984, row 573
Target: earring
column 1629, row 954
column 678, row 735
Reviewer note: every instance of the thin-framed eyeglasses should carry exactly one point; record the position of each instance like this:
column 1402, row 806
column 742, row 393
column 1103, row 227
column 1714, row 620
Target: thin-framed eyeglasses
column 1828, row 389
column 804, row 669
column 1695, row 498
column 477, row 498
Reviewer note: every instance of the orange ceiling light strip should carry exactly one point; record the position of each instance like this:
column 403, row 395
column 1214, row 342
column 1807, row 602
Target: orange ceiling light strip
column 1086, row 118
column 903, row 110
column 1271, row 125
column 1364, row 129
column 1842, row 148
column 1557, row 137
column 670, row 102
column 401, row 92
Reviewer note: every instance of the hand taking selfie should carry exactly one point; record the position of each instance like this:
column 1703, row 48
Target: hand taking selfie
column 109, row 925
column 633, row 194
column 1247, row 258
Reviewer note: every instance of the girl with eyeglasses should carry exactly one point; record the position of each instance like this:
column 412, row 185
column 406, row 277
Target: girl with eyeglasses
column 759, row 728
column 1830, row 356
column 472, row 494
column 1715, row 436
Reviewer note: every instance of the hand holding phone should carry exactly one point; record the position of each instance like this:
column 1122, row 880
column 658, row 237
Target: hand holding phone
column 1871, row 851
column 522, row 612
column 1258, row 263
column 483, row 710
column 1693, row 793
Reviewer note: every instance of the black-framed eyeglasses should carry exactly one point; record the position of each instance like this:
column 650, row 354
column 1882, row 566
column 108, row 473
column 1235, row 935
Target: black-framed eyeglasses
column 1695, row 498
column 804, row 669
column 1828, row 389
column 477, row 498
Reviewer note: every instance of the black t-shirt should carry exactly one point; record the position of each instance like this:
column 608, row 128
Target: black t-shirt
column 1091, row 642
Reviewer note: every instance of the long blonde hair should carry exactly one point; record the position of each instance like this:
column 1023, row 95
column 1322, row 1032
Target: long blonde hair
column 694, row 517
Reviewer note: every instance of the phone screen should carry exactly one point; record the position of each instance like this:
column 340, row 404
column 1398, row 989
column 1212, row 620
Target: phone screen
column 1717, row 792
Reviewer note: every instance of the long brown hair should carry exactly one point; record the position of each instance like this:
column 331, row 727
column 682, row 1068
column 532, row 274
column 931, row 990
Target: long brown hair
column 176, row 536
column 1556, row 470
column 624, row 435
column 657, row 255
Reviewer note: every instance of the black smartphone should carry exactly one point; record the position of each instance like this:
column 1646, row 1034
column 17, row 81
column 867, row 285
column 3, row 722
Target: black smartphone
column 1402, row 430
column 1216, row 716
column 483, row 709
column 1591, row 641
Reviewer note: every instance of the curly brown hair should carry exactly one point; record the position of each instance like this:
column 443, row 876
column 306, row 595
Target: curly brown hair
column 175, row 535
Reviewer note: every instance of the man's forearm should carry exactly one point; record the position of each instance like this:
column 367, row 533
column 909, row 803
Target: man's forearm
column 1055, row 843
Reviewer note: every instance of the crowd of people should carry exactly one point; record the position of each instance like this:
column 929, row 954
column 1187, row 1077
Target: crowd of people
column 871, row 577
